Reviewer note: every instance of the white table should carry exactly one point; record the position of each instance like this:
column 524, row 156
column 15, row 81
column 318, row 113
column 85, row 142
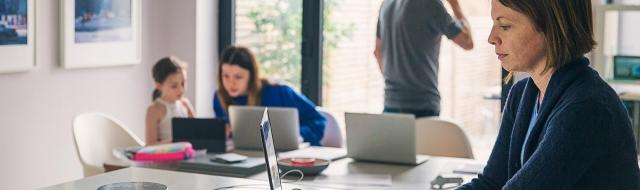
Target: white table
column 173, row 180
column 403, row 176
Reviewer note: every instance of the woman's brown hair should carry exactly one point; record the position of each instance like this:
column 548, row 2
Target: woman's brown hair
column 567, row 27
column 242, row 57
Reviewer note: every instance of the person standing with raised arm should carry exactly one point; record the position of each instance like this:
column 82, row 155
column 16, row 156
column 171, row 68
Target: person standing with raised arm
column 407, row 50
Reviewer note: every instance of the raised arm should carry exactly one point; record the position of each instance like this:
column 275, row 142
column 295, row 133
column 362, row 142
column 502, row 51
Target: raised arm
column 463, row 39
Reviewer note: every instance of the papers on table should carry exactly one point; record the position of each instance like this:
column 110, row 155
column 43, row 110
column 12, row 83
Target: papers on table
column 355, row 179
column 473, row 169
column 327, row 153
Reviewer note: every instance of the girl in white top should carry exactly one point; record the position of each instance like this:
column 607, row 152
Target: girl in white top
column 170, row 78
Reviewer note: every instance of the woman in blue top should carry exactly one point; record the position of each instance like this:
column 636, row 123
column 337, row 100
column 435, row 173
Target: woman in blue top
column 564, row 127
column 238, row 75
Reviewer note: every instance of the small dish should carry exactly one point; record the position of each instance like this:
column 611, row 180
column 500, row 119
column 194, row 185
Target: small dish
column 308, row 166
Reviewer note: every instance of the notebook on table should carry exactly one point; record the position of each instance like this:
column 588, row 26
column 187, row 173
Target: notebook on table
column 203, row 164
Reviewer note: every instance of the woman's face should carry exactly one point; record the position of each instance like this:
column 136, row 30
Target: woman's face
column 173, row 87
column 235, row 79
column 519, row 46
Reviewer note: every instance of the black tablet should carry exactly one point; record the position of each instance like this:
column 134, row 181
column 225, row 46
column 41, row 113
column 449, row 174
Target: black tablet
column 201, row 133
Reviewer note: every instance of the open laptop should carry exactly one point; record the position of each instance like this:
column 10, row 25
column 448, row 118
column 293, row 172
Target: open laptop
column 386, row 138
column 201, row 133
column 285, row 127
column 269, row 152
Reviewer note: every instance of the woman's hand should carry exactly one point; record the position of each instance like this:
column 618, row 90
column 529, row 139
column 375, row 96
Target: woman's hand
column 227, row 130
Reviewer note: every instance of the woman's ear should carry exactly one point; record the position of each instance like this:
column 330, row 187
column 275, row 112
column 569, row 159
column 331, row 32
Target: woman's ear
column 158, row 85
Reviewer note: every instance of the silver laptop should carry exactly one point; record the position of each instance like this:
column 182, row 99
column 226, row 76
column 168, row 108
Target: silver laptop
column 284, row 124
column 386, row 138
column 270, row 156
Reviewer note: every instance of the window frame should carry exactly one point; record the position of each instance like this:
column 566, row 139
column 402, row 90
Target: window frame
column 311, row 47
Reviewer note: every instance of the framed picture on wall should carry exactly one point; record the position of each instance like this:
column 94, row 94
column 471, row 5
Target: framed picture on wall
column 98, row 33
column 17, row 35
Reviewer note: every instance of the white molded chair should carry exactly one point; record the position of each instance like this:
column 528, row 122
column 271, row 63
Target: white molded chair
column 440, row 137
column 332, row 133
column 96, row 135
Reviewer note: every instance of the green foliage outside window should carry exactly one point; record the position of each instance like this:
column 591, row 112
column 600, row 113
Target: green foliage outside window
column 278, row 31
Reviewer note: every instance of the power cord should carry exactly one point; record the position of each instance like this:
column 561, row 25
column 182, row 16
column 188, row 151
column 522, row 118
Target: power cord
column 290, row 171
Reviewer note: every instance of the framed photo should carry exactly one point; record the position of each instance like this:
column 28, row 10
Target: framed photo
column 98, row 33
column 17, row 34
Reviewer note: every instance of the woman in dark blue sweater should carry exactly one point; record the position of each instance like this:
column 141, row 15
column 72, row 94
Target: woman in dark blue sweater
column 241, row 85
column 564, row 127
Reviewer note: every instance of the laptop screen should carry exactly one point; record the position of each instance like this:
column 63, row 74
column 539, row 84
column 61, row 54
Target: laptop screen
column 270, row 152
column 626, row 67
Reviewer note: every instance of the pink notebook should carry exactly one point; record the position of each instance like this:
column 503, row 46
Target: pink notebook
column 171, row 151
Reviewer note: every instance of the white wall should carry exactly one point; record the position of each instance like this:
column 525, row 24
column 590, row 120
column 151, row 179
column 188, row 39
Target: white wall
column 206, row 56
column 36, row 107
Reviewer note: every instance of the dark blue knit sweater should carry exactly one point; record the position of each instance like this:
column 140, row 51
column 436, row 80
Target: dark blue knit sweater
column 581, row 140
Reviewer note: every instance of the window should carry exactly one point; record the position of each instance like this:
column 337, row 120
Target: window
column 352, row 80
column 470, row 82
column 629, row 43
column 272, row 29
column 470, row 87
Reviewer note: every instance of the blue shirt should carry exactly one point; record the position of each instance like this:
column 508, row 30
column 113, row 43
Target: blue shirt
column 312, row 123
column 532, row 122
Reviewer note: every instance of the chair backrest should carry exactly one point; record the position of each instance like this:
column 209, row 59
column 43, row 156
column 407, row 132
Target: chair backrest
column 332, row 133
column 440, row 137
column 96, row 135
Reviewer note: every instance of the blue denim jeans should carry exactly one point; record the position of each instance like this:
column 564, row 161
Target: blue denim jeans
column 416, row 112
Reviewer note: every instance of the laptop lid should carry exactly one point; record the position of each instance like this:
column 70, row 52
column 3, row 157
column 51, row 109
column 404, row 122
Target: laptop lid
column 381, row 137
column 284, row 125
column 269, row 152
column 200, row 132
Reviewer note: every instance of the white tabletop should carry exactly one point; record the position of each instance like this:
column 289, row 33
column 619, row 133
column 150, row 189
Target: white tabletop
column 173, row 180
column 403, row 176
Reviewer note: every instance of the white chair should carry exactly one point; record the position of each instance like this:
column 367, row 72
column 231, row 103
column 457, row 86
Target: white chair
column 96, row 135
column 332, row 133
column 440, row 137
